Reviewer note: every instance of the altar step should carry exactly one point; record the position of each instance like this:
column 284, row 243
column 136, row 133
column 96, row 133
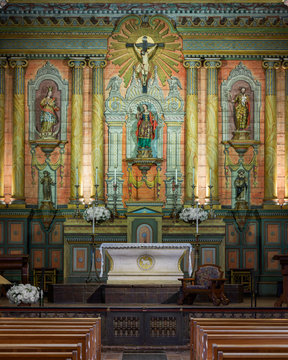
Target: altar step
column 112, row 294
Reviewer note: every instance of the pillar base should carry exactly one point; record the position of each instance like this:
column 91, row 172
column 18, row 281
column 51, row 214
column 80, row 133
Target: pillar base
column 17, row 206
column 73, row 205
column 270, row 204
column 17, row 202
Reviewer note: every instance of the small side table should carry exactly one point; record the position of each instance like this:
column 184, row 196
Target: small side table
column 43, row 277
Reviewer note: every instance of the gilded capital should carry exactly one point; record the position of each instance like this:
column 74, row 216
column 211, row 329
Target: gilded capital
column 3, row 62
column 271, row 64
column 97, row 62
column 213, row 63
column 18, row 63
column 78, row 62
column 285, row 64
column 192, row 63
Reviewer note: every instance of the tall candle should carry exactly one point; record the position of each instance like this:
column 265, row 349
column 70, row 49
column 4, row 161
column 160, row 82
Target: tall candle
column 210, row 177
column 93, row 221
column 193, row 172
column 77, row 179
column 96, row 176
column 115, row 180
column 197, row 218
column 176, row 175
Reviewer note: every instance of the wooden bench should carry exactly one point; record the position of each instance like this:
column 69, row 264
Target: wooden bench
column 42, row 348
column 251, row 356
column 248, row 349
column 42, row 355
column 65, row 325
column 84, row 339
column 234, row 339
column 202, row 330
column 234, row 330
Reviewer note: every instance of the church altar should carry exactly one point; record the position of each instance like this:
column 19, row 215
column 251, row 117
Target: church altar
column 145, row 263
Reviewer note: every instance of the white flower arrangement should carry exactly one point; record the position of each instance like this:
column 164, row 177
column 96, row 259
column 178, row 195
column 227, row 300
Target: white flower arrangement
column 191, row 214
column 27, row 294
column 99, row 213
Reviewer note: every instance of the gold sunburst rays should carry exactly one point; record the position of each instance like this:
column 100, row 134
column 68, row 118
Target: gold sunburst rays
column 166, row 57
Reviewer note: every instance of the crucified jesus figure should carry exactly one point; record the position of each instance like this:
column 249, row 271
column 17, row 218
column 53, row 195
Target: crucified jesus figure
column 144, row 52
column 144, row 56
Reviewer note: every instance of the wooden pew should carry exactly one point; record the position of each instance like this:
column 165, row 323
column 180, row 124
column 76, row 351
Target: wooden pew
column 240, row 348
column 54, row 329
column 43, row 348
column 196, row 323
column 90, row 345
column 231, row 331
column 251, row 356
column 39, row 356
column 17, row 338
column 235, row 339
column 75, row 323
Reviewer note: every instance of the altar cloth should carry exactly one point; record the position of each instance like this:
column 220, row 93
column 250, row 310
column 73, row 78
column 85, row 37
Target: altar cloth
column 145, row 263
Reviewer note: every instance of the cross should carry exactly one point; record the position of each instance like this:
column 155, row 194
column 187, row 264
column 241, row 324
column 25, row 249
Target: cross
column 143, row 50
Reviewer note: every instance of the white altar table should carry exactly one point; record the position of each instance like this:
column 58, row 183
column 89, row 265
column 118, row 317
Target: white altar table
column 142, row 263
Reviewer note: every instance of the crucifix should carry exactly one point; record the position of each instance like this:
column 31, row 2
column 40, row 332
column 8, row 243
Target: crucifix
column 144, row 50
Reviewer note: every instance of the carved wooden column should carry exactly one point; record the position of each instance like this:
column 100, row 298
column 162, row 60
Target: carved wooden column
column 3, row 66
column 191, row 139
column 212, row 66
column 77, row 65
column 97, row 64
column 270, row 133
column 18, row 166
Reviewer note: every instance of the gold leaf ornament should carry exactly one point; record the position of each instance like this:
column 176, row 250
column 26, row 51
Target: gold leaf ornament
column 163, row 52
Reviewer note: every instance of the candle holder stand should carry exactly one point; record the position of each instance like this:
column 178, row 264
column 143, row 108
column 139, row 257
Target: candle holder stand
column 175, row 198
column 115, row 186
column 77, row 213
column 193, row 195
column 197, row 254
column 92, row 261
column 96, row 201
column 211, row 211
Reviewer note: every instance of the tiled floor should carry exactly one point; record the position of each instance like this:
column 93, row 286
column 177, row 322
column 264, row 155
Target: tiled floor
column 181, row 355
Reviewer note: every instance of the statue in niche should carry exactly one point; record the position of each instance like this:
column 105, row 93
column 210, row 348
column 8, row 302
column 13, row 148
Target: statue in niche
column 48, row 115
column 146, row 127
column 241, row 110
column 47, row 184
column 240, row 101
column 241, row 188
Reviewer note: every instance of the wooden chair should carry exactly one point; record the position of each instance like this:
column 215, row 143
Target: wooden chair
column 208, row 280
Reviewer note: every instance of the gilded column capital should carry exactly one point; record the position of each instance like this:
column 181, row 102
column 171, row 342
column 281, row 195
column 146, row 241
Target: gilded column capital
column 271, row 64
column 192, row 63
column 212, row 63
column 97, row 62
column 18, row 62
column 3, row 62
column 78, row 62
column 285, row 64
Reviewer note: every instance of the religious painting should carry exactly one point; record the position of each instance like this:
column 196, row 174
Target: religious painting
column 144, row 234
